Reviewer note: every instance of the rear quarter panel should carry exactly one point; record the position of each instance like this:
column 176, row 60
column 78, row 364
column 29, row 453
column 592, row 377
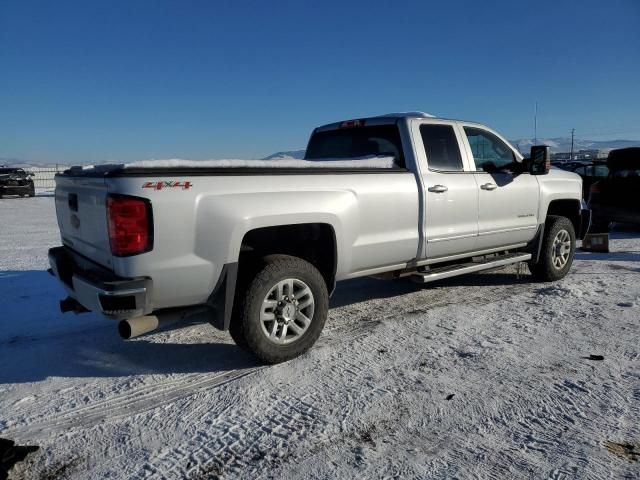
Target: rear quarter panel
column 199, row 229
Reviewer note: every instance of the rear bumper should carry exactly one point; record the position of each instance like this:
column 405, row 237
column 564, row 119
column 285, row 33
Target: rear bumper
column 15, row 189
column 97, row 288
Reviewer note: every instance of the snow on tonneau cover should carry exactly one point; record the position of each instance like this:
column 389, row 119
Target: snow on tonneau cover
column 356, row 162
column 81, row 194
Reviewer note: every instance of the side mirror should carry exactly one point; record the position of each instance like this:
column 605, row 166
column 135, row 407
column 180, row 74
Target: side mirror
column 540, row 160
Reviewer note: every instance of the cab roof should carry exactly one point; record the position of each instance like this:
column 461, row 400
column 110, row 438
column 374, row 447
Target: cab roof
column 385, row 119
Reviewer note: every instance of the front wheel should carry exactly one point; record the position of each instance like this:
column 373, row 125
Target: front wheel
column 557, row 251
column 281, row 311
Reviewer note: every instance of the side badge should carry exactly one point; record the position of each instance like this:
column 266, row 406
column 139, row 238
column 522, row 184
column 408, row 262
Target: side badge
column 167, row 184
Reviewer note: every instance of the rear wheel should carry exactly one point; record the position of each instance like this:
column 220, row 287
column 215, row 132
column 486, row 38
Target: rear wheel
column 557, row 251
column 32, row 191
column 281, row 311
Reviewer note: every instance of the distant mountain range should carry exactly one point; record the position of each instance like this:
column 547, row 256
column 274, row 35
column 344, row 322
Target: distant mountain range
column 17, row 163
column 563, row 144
column 556, row 145
column 298, row 154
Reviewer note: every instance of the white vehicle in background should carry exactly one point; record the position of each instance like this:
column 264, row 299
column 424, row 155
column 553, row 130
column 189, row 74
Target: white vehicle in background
column 258, row 249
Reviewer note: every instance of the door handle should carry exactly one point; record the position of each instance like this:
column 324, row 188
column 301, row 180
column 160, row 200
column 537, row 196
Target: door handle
column 438, row 189
column 488, row 186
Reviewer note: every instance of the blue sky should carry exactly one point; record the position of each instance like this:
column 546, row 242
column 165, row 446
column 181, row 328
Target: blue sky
column 123, row 80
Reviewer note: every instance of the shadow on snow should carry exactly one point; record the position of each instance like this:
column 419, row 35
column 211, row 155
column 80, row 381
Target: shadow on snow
column 37, row 341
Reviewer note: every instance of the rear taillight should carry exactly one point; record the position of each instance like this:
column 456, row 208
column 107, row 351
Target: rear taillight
column 130, row 225
column 594, row 188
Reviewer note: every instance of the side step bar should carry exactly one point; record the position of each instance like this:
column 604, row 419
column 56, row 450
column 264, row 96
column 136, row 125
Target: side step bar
column 470, row 267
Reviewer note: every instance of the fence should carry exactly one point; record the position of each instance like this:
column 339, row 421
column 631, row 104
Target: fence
column 43, row 176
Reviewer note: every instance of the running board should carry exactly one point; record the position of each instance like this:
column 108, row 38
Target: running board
column 470, row 267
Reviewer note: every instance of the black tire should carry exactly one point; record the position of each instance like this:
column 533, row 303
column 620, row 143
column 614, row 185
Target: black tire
column 32, row 191
column 545, row 269
column 246, row 327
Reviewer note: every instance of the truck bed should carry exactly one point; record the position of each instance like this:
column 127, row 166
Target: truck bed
column 238, row 167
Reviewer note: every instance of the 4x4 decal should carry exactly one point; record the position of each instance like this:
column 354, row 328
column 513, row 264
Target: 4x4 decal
column 167, row 184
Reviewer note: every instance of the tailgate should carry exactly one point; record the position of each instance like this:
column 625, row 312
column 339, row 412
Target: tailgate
column 82, row 216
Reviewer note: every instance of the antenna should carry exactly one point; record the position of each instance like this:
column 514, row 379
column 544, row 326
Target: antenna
column 535, row 125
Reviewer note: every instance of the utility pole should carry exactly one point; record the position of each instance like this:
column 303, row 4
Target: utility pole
column 573, row 131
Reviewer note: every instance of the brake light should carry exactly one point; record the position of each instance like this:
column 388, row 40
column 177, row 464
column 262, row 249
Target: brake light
column 130, row 225
column 352, row 124
column 594, row 188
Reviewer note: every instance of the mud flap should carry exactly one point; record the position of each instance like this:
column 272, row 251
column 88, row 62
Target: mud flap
column 221, row 300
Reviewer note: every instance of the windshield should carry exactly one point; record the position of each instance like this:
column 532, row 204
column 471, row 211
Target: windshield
column 379, row 140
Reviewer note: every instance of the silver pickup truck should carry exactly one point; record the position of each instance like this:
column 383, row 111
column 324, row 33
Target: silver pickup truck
column 258, row 250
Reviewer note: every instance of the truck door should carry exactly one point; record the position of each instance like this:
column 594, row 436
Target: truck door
column 450, row 190
column 507, row 197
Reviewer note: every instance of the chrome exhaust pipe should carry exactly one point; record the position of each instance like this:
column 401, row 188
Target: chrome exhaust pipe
column 134, row 327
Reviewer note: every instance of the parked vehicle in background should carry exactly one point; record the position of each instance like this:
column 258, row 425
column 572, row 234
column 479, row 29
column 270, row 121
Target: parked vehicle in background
column 590, row 172
column 569, row 165
column 258, row 250
column 15, row 181
column 616, row 198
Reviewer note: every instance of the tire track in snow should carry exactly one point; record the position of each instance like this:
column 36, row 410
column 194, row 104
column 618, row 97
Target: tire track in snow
column 257, row 435
column 251, row 449
column 345, row 324
column 233, row 441
column 134, row 401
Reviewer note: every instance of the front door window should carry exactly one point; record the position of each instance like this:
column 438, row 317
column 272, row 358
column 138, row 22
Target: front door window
column 489, row 152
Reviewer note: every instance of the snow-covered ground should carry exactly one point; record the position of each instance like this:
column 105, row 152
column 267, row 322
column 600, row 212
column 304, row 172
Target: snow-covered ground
column 485, row 376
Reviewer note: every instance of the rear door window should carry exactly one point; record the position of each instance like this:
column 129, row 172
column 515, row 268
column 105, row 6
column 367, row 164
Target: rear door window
column 441, row 147
column 345, row 143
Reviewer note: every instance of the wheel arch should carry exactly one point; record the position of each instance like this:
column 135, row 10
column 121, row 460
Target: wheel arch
column 314, row 242
column 566, row 207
